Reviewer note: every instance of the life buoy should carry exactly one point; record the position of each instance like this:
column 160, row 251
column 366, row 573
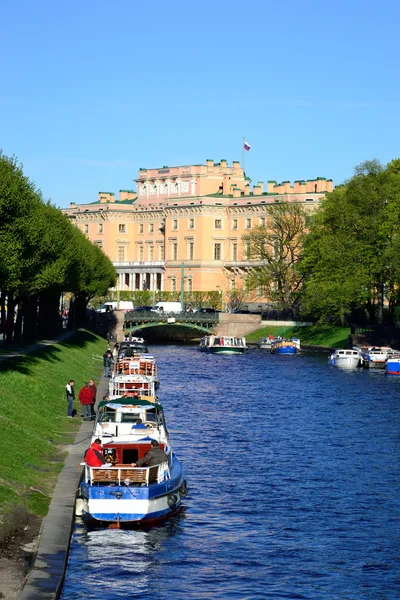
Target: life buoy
column 172, row 500
column 183, row 490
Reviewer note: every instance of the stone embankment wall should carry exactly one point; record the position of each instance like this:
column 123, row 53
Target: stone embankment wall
column 240, row 325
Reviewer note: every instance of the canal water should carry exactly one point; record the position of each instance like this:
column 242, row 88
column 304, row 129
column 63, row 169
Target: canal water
column 294, row 479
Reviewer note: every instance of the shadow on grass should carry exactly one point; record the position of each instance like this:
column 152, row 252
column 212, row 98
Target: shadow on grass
column 25, row 363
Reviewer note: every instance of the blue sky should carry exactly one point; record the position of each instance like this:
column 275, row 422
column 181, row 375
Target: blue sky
column 92, row 90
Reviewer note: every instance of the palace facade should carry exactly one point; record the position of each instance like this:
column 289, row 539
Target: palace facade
column 195, row 215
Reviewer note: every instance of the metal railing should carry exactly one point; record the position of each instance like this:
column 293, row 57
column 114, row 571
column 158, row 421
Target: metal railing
column 127, row 475
column 149, row 317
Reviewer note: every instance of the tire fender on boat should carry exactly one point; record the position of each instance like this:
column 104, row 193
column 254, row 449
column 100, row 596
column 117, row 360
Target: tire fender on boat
column 183, row 490
column 172, row 500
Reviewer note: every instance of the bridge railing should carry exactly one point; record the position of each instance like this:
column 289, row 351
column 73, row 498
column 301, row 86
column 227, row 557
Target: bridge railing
column 148, row 317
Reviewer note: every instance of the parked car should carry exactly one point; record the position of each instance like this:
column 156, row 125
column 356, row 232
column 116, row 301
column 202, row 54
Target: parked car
column 142, row 308
column 211, row 311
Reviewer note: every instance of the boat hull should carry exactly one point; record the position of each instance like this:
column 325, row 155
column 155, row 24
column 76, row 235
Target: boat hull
column 222, row 350
column 104, row 504
column 348, row 362
column 284, row 350
column 393, row 366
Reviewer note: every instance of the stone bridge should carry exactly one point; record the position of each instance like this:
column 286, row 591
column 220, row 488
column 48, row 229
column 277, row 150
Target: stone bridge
column 185, row 326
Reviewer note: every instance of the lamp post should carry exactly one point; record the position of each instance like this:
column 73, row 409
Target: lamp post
column 183, row 288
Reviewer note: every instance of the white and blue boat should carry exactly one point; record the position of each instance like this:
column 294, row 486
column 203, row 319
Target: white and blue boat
column 392, row 366
column 346, row 358
column 285, row 346
column 119, row 494
column 375, row 357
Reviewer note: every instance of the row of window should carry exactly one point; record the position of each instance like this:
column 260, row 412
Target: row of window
column 218, row 224
column 150, row 255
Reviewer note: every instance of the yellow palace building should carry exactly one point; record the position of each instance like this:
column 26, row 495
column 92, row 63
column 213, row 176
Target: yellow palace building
column 194, row 215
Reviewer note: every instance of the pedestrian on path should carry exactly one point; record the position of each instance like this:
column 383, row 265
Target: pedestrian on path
column 69, row 388
column 85, row 398
column 93, row 389
column 107, row 361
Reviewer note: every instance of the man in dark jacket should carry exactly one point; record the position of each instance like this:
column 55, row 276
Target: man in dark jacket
column 107, row 361
column 70, row 391
column 155, row 456
column 94, row 454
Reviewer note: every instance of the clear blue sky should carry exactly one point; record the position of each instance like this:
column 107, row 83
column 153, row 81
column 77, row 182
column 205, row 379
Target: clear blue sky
column 92, row 90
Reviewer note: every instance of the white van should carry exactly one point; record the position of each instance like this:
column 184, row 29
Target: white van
column 110, row 306
column 165, row 308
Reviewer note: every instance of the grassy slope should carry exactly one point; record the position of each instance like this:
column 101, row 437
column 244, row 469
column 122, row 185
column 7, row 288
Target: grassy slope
column 33, row 418
column 316, row 335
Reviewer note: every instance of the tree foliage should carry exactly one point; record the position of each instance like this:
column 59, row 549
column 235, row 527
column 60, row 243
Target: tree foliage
column 351, row 264
column 277, row 249
column 42, row 255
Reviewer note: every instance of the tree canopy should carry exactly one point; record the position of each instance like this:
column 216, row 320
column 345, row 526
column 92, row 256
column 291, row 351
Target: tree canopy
column 42, row 254
column 276, row 250
column 351, row 253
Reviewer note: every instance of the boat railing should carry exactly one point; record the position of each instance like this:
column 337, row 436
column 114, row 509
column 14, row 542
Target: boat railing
column 127, row 474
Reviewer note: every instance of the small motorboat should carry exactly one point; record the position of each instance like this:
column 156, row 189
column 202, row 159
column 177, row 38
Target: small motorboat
column 346, row 359
column 374, row 357
column 285, row 346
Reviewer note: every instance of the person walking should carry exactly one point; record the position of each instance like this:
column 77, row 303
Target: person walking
column 93, row 389
column 70, row 391
column 86, row 399
column 107, row 361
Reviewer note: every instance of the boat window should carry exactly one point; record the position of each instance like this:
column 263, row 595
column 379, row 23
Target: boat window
column 129, row 418
column 107, row 416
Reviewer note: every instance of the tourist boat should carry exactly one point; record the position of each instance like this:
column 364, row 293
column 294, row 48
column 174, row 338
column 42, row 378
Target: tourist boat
column 138, row 364
column 222, row 344
column 119, row 494
column 127, row 385
column 285, row 347
column 392, row 366
column 346, row 359
column 374, row 357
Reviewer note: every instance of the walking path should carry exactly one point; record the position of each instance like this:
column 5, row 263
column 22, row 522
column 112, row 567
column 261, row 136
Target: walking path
column 46, row 578
column 12, row 353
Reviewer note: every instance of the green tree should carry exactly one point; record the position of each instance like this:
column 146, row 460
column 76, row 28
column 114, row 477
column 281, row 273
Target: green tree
column 349, row 254
column 277, row 249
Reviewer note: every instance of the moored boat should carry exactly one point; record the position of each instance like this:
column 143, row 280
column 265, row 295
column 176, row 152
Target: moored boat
column 120, row 493
column 285, row 347
column 265, row 343
column 346, row 358
column 392, row 366
column 222, row 344
column 374, row 357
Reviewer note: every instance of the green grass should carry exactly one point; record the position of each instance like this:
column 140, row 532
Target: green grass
column 315, row 335
column 33, row 417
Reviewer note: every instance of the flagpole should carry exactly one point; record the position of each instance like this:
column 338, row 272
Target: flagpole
column 243, row 154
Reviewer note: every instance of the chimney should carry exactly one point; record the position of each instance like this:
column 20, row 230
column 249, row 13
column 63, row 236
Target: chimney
column 261, row 185
column 237, row 192
column 271, row 183
column 236, row 164
column 72, row 204
column 127, row 195
column 209, row 162
column 257, row 190
column 105, row 197
column 226, row 185
column 286, row 187
column 223, row 163
column 297, row 186
column 247, row 189
column 329, row 185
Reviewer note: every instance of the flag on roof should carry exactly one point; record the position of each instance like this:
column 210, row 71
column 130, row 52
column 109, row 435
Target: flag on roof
column 246, row 146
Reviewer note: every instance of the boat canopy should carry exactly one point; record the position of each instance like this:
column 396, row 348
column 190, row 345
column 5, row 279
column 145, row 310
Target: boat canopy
column 129, row 402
